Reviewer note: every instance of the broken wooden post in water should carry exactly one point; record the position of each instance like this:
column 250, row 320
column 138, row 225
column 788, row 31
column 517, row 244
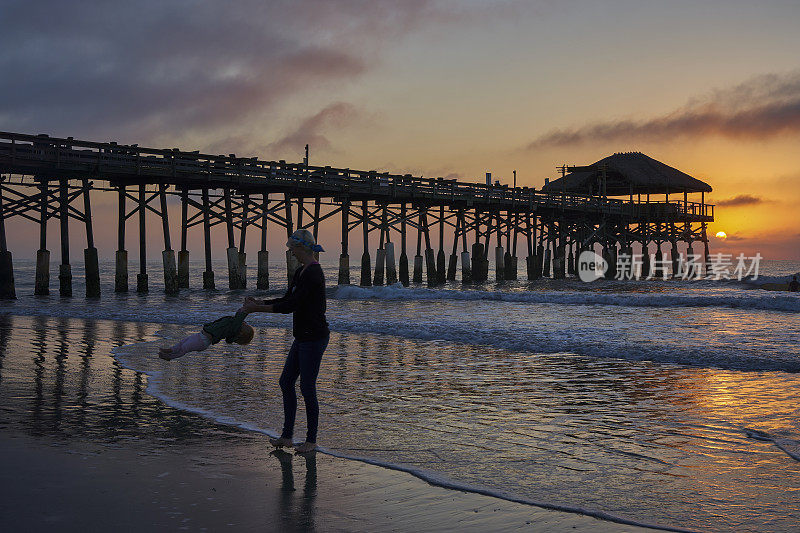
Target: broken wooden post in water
column 90, row 260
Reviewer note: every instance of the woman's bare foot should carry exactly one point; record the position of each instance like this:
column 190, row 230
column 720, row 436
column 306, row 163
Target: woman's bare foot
column 281, row 442
column 306, row 447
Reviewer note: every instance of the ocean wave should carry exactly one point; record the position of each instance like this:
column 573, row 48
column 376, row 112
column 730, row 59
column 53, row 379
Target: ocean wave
column 581, row 342
column 683, row 347
column 788, row 445
column 788, row 303
column 138, row 357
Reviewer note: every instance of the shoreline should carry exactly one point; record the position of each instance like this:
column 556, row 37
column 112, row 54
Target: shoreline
column 80, row 486
column 84, row 447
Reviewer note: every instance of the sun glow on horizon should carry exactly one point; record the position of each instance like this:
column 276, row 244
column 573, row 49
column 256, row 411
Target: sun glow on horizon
column 722, row 235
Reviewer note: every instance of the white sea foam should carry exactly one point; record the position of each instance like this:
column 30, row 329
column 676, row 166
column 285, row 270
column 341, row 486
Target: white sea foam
column 545, row 341
column 135, row 357
column 742, row 299
column 789, row 446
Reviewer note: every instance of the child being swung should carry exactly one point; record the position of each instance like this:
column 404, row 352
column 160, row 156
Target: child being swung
column 231, row 328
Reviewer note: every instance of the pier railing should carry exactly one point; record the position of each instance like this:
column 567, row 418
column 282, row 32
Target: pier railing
column 44, row 178
column 53, row 158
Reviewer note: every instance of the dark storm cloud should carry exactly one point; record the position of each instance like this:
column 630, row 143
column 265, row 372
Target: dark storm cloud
column 742, row 199
column 760, row 108
column 312, row 130
column 100, row 68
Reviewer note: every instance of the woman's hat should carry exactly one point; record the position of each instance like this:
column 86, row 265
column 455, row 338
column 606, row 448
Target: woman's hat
column 304, row 238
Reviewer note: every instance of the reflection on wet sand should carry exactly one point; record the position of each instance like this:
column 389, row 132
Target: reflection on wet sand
column 297, row 510
column 58, row 378
column 557, row 427
column 560, row 427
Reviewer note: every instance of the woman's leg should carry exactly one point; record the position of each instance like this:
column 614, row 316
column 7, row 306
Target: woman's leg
column 310, row 357
column 291, row 370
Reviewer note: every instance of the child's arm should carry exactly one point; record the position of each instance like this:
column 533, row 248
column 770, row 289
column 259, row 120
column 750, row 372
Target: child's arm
column 251, row 305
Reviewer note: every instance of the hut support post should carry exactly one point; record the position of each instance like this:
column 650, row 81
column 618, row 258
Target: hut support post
column 208, row 274
column 7, row 289
column 559, row 246
column 183, row 254
column 121, row 259
column 706, row 252
column 344, row 258
column 42, row 286
column 262, row 277
column 675, row 259
column 90, row 259
column 659, row 262
column 571, row 270
column 539, row 261
column 403, row 266
column 168, row 255
column 547, row 251
column 141, row 278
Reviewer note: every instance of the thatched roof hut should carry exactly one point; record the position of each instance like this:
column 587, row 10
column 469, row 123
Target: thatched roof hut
column 627, row 173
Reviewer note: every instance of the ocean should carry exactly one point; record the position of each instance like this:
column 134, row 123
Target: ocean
column 665, row 403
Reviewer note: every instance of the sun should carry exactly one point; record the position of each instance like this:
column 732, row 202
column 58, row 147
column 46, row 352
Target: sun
column 722, row 235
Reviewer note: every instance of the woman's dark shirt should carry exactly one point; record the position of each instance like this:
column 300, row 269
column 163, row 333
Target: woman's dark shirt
column 305, row 297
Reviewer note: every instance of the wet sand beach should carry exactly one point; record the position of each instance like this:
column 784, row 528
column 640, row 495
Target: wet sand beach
column 84, row 447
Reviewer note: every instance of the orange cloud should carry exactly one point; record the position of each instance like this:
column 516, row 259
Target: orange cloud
column 742, row 199
column 763, row 107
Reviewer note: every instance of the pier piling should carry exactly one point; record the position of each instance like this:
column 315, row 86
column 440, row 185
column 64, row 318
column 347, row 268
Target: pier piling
column 262, row 276
column 391, row 270
column 7, row 289
column 441, row 273
column 344, row 258
column 183, row 254
column 557, row 226
column 90, row 259
column 168, row 255
column 64, row 270
column 42, row 282
column 366, row 269
column 208, row 273
column 121, row 257
column 403, row 262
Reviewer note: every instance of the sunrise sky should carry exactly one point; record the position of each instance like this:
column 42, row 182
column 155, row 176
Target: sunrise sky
column 438, row 88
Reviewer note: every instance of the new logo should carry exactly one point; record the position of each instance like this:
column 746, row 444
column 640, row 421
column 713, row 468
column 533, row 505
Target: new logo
column 591, row 266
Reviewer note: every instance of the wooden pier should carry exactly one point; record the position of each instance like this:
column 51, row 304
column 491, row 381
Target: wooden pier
column 43, row 177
